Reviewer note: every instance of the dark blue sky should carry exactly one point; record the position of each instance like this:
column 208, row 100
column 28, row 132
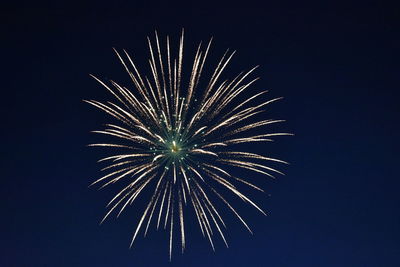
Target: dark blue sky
column 335, row 63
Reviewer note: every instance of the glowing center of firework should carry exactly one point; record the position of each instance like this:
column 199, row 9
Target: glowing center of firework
column 174, row 148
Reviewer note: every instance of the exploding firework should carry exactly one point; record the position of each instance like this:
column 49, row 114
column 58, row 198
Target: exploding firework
column 182, row 141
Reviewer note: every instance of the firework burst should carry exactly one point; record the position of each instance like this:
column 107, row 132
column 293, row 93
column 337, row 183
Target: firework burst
column 182, row 141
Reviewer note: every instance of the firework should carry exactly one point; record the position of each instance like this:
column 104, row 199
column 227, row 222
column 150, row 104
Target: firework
column 182, row 140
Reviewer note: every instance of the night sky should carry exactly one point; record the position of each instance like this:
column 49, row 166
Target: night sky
column 336, row 64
